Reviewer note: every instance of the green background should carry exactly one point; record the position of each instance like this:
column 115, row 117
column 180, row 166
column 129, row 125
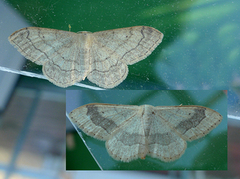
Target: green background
column 200, row 48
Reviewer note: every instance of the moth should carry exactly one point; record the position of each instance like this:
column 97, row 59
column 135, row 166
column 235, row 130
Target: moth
column 132, row 132
column 103, row 57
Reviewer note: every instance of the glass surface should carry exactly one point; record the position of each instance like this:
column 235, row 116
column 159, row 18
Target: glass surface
column 200, row 48
column 199, row 154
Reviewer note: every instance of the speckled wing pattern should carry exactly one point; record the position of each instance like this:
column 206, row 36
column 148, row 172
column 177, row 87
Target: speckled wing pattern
column 133, row 132
column 58, row 51
column 69, row 57
column 119, row 48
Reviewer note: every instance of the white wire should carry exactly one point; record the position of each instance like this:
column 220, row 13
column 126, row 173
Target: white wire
column 233, row 117
column 30, row 74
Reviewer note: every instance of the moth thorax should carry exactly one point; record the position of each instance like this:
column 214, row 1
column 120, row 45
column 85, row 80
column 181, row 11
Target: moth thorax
column 84, row 32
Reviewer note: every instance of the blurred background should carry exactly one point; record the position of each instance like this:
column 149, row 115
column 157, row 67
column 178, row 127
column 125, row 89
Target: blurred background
column 200, row 50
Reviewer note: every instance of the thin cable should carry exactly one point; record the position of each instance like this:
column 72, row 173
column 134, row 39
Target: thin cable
column 30, row 74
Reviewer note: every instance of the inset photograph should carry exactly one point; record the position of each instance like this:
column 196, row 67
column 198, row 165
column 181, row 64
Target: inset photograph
column 146, row 130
